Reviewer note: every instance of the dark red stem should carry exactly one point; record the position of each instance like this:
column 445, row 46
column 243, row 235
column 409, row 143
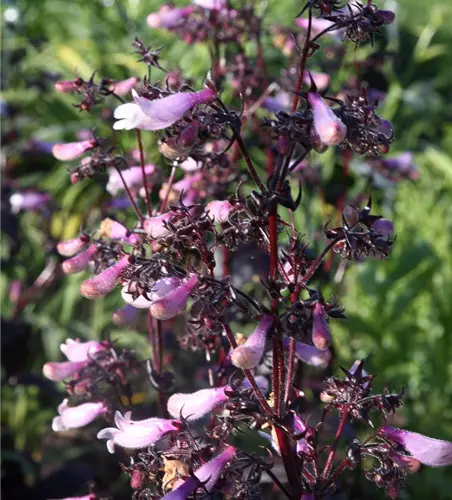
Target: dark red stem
column 340, row 429
column 304, row 58
column 143, row 173
column 129, row 194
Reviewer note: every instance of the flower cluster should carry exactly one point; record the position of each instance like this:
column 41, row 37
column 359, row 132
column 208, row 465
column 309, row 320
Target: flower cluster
column 201, row 257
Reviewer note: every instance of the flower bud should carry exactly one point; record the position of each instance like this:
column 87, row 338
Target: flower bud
column 69, row 248
column 385, row 16
column 196, row 405
column 65, row 86
column 328, row 126
column 321, row 336
column 76, row 416
column 249, row 354
column 80, row 261
column 77, row 351
column 72, row 150
column 123, row 87
column 104, row 282
column 189, row 135
column 384, row 227
column 125, row 315
column 155, row 226
column 169, row 301
column 61, row 371
column 219, row 210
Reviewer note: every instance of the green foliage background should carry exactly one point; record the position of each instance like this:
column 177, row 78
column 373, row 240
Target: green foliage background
column 399, row 311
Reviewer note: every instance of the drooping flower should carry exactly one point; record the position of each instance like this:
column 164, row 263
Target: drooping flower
column 82, row 351
column 76, row 416
column 123, row 87
column 80, row 261
column 132, row 434
column 429, row 451
column 60, row 371
column 310, row 355
column 168, row 17
column 281, row 100
column 327, row 125
column 103, row 283
column 321, row 336
column 28, row 200
column 249, row 354
column 168, row 110
column 169, row 301
column 69, row 248
column 207, row 475
column 197, row 404
column 72, row 150
column 219, row 210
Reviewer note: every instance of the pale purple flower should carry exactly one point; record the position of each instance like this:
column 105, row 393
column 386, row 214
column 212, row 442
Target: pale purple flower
column 103, row 283
column 384, row 227
column 130, row 116
column 208, row 474
column 76, row 416
column 69, row 248
column 403, row 163
column 77, row 351
column 168, row 17
column 80, row 261
column 327, row 125
column 321, row 80
column 429, row 451
column 60, row 371
column 155, row 226
column 139, row 302
column 190, row 165
column 65, row 86
column 133, row 177
column 14, row 291
column 28, row 200
column 72, row 150
column 219, row 210
column 133, row 435
column 300, row 427
column 168, row 110
column 249, row 354
column 112, row 229
column 281, row 100
column 125, row 315
column 123, row 87
column 197, row 404
column 310, row 355
column 321, row 336
column 169, row 301
column 211, row 4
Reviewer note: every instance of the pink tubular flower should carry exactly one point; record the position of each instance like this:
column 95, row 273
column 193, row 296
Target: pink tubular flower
column 168, row 110
column 123, row 87
column 133, row 177
column 281, row 100
column 249, row 354
column 125, row 315
column 328, row 126
column 80, row 261
column 211, row 4
column 134, row 435
column 321, row 336
column 155, row 226
column 61, row 371
column 168, row 17
column 169, row 301
column 219, row 210
column 28, row 200
column 69, row 248
column 130, row 116
column 76, row 351
column 321, row 80
column 72, row 150
column 311, row 355
column 98, row 286
column 196, row 405
column 65, row 86
column 207, row 475
column 429, row 451
column 76, row 416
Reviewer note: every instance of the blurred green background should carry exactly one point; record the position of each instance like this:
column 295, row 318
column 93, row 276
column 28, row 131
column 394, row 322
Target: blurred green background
column 399, row 311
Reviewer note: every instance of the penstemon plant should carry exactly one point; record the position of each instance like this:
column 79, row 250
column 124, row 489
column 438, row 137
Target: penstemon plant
column 178, row 259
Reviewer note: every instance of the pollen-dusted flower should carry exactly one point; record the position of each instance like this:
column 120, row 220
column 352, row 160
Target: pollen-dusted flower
column 321, row 336
column 168, row 110
column 249, row 354
column 327, row 125
column 207, row 475
column 169, row 301
column 60, row 371
column 82, row 351
column 429, row 451
column 134, row 435
column 104, row 282
column 197, row 404
column 69, row 248
column 76, row 416
column 123, row 87
column 168, row 17
column 72, row 150
column 219, row 210
column 80, row 262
